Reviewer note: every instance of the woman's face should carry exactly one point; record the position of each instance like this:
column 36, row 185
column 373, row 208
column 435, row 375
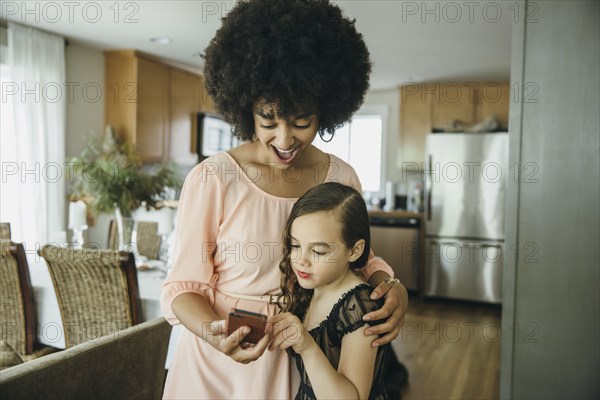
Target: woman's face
column 283, row 141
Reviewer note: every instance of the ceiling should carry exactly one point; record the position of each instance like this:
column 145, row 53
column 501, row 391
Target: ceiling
column 410, row 41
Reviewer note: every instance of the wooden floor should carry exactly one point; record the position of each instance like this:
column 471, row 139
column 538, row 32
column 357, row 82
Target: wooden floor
column 451, row 350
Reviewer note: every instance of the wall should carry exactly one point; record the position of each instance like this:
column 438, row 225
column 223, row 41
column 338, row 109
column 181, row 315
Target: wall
column 551, row 312
column 85, row 110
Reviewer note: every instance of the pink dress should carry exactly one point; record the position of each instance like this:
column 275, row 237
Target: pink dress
column 228, row 238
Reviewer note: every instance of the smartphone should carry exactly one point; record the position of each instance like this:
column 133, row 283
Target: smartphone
column 255, row 321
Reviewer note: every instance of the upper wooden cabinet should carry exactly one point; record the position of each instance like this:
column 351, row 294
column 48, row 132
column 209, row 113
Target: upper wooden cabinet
column 425, row 107
column 152, row 105
column 469, row 103
column 453, row 101
column 185, row 96
column 416, row 109
column 151, row 136
column 493, row 100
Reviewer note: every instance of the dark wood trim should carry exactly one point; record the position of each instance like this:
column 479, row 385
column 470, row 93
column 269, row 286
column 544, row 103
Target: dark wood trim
column 127, row 263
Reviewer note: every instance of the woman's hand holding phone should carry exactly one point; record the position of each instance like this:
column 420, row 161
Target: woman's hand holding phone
column 234, row 345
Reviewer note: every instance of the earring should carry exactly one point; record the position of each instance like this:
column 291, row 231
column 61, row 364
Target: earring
column 323, row 139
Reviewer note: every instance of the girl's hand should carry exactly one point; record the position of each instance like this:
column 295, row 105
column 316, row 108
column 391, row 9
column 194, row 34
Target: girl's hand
column 232, row 345
column 288, row 331
column 394, row 309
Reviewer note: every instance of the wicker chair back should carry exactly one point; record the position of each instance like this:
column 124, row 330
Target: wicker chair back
column 97, row 291
column 17, row 312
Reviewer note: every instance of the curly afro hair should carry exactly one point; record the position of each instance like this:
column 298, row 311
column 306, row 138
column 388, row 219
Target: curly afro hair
column 302, row 56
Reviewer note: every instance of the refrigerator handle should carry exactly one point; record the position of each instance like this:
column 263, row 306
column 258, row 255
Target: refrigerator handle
column 429, row 187
column 491, row 245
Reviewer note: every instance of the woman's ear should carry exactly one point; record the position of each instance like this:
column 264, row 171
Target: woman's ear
column 357, row 250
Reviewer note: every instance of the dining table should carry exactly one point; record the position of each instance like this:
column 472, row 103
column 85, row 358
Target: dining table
column 150, row 275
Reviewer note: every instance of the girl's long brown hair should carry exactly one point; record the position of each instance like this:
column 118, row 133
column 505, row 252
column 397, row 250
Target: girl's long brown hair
column 351, row 212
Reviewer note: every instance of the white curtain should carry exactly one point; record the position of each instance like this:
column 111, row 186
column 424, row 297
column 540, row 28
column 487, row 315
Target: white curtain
column 34, row 157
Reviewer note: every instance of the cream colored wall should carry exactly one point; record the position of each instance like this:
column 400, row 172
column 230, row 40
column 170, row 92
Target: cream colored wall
column 85, row 112
column 85, row 108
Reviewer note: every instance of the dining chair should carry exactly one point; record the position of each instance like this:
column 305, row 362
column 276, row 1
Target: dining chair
column 113, row 236
column 17, row 307
column 97, row 291
column 5, row 231
column 147, row 239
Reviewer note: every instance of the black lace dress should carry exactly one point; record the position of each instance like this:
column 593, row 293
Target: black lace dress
column 345, row 317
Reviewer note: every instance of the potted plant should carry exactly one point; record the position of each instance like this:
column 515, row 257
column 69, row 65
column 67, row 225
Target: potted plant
column 110, row 177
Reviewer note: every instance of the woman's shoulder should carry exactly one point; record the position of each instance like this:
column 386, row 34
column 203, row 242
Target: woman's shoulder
column 213, row 169
column 342, row 172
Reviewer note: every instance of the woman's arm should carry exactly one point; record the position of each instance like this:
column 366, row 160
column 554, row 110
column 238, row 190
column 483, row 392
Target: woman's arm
column 352, row 379
column 195, row 313
column 394, row 307
column 188, row 293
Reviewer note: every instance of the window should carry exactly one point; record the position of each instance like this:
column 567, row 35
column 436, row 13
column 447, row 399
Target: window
column 215, row 135
column 360, row 144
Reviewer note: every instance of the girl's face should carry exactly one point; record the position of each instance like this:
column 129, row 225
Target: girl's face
column 318, row 256
column 283, row 141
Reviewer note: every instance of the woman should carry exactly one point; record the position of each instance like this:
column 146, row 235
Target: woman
column 280, row 72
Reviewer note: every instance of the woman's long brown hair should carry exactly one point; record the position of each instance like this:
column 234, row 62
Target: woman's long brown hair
column 351, row 212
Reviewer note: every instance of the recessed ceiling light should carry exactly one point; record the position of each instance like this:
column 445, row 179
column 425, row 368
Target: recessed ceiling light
column 161, row 40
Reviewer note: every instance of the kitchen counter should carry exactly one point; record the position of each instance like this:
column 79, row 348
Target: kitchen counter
column 395, row 214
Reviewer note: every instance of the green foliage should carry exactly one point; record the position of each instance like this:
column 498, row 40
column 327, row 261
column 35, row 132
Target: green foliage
column 110, row 174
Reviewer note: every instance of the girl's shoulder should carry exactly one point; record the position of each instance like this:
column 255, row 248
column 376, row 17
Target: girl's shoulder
column 347, row 314
column 357, row 301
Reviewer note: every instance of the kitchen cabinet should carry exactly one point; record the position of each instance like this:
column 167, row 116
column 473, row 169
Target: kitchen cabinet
column 425, row 107
column 453, row 101
column 151, row 105
column 187, row 97
column 151, row 122
column 416, row 107
column 493, row 100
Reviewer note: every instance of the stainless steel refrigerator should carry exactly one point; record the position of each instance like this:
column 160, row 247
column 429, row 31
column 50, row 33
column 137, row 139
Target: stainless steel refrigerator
column 465, row 186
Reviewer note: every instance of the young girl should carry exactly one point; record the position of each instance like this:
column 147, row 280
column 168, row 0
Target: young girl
column 326, row 238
